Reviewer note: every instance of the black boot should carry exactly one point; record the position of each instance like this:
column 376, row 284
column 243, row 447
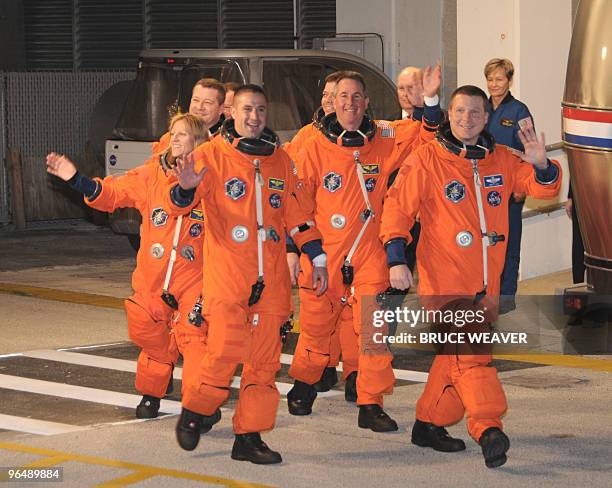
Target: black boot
column 374, row 417
column 207, row 421
column 328, row 380
column 191, row 424
column 148, row 408
column 250, row 447
column 494, row 444
column 425, row 434
column 188, row 429
column 300, row 398
column 350, row 387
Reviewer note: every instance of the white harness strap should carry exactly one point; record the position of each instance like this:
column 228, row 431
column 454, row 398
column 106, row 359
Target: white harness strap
column 483, row 223
column 177, row 232
column 364, row 192
column 261, row 231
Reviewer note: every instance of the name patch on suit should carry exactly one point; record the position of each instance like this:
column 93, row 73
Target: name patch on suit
column 371, row 169
column 276, row 184
column 197, row 215
column 492, row 181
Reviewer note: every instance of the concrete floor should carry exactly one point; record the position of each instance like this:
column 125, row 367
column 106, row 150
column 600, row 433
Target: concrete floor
column 61, row 288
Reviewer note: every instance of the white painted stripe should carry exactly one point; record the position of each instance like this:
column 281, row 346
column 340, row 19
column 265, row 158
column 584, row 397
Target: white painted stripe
column 33, row 426
column 601, row 130
column 12, row 355
column 95, row 346
column 81, row 393
column 402, row 374
column 130, row 366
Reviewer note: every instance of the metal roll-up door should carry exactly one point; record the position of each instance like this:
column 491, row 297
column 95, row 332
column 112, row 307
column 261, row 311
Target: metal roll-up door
column 109, row 34
column 315, row 18
column 262, row 24
column 48, row 34
column 181, row 24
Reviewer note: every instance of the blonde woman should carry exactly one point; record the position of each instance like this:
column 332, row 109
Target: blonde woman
column 168, row 274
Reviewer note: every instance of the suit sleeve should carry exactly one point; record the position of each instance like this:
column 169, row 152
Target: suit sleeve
column 403, row 200
column 528, row 180
column 299, row 211
column 126, row 190
column 411, row 134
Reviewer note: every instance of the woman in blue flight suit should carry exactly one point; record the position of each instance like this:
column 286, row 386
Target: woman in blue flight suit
column 506, row 116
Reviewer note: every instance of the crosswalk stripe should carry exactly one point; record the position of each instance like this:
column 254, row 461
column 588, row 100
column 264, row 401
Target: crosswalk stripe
column 130, row 366
column 84, row 393
column 34, row 426
column 400, row 374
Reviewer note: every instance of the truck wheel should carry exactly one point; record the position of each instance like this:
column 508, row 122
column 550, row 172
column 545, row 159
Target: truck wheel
column 134, row 241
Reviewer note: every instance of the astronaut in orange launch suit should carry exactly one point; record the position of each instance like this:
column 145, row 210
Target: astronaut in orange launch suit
column 168, row 274
column 460, row 185
column 248, row 189
column 345, row 171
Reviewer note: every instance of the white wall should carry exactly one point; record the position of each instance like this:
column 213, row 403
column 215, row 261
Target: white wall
column 411, row 29
column 485, row 30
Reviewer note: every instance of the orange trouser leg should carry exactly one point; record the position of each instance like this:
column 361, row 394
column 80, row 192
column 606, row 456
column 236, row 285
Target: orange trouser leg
column 149, row 328
column 318, row 317
column 480, row 391
column 227, row 343
column 259, row 398
column 349, row 341
column 190, row 339
column 334, row 348
column 375, row 377
column 439, row 403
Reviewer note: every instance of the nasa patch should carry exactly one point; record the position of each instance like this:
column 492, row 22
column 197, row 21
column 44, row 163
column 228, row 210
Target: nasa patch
column 455, row 191
column 276, row 184
column 235, row 188
column 494, row 198
column 159, row 217
column 370, row 184
column 492, row 181
column 195, row 230
column 275, row 200
column 332, row 182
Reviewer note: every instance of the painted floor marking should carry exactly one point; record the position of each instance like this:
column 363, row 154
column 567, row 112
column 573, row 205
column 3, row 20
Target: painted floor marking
column 34, row 426
column 81, row 393
column 140, row 472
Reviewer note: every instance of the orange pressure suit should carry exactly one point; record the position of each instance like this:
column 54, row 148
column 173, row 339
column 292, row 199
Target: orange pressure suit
column 440, row 185
column 345, row 340
column 328, row 171
column 239, row 332
column 149, row 317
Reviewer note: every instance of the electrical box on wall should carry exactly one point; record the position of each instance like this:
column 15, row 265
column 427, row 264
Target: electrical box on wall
column 367, row 46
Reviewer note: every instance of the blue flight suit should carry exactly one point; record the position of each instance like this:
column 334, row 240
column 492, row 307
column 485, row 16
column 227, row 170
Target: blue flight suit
column 503, row 125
